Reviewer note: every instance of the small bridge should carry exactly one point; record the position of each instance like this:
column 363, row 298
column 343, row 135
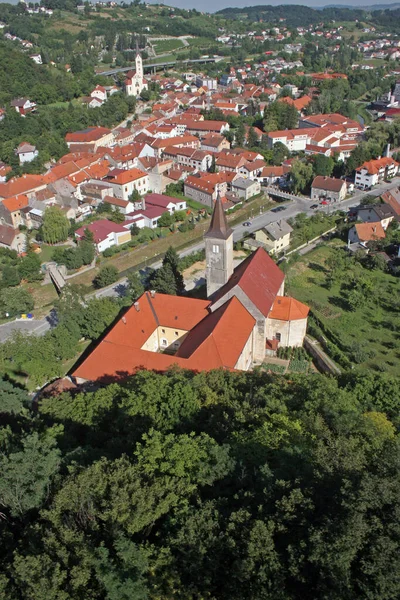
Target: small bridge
column 56, row 277
column 274, row 191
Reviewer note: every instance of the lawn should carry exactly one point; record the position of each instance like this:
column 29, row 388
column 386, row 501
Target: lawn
column 162, row 46
column 368, row 335
column 47, row 251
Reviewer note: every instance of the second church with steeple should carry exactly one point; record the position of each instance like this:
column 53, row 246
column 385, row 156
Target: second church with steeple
column 135, row 82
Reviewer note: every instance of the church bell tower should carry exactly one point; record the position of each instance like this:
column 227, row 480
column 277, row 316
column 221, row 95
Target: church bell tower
column 219, row 250
column 139, row 65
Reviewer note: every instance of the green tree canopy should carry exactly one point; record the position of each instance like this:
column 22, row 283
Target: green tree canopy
column 55, row 225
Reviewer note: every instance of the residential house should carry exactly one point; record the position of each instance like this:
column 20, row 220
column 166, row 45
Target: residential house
column 329, row 188
column 100, row 93
column 11, row 210
column 245, row 188
column 275, row 237
column 362, row 233
column 204, row 128
column 373, row 171
column 89, row 139
column 392, row 198
column 26, row 152
column 230, row 162
column 205, row 187
column 252, row 170
column 214, row 143
column 4, row 170
column 124, row 206
column 376, row 213
column 198, row 159
column 105, row 234
column 124, row 183
column 271, row 175
column 23, row 106
column 166, row 202
column 12, row 239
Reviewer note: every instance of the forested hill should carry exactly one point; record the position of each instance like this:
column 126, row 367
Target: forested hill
column 221, row 486
column 301, row 16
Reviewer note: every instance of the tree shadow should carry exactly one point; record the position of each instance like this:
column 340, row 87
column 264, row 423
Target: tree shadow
column 339, row 302
column 317, row 267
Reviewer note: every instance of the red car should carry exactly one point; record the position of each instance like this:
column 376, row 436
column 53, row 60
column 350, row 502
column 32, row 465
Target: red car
column 324, row 202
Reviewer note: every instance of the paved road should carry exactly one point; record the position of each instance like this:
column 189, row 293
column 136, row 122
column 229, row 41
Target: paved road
column 39, row 327
column 260, row 220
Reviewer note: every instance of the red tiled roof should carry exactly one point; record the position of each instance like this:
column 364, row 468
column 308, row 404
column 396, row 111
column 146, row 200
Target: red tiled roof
column 220, row 337
column 116, row 201
column 101, row 229
column 370, row 231
column 215, row 339
column 15, row 203
column 330, row 184
column 288, row 309
column 258, row 277
column 91, row 134
column 126, row 176
column 373, row 166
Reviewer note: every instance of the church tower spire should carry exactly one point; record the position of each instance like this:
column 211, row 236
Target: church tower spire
column 219, row 249
column 139, row 64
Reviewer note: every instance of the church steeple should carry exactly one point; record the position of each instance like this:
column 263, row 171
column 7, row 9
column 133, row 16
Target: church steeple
column 219, row 227
column 139, row 64
column 219, row 249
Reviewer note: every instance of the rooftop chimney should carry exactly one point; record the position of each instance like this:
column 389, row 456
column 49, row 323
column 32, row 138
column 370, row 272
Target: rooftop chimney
column 124, row 320
column 152, row 293
column 137, row 307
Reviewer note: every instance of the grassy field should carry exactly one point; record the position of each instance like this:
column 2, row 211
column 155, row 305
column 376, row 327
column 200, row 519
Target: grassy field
column 161, row 46
column 47, row 251
column 368, row 335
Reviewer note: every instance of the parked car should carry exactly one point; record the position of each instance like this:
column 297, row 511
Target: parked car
column 278, row 209
column 247, row 224
column 314, row 206
column 324, row 202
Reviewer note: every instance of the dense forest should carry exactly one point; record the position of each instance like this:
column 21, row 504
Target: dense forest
column 302, row 16
column 226, row 486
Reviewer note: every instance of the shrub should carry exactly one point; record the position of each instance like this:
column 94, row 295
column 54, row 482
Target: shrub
column 106, row 276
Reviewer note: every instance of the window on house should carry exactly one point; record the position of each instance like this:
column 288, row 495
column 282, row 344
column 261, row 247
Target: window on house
column 215, row 249
column 162, row 330
column 164, row 342
column 278, row 337
column 176, row 333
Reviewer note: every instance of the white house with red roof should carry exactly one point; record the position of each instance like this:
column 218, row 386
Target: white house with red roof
column 100, row 93
column 105, row 234
column 166, row 202
column 373, row 171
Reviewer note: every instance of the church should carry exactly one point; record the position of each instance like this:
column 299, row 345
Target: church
column 245, row 316
column 135, row 82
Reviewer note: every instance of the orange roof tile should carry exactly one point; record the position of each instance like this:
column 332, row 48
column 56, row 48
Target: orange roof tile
column 288, row 309
column 127, row 176
column 370, row 231
column 15, row 203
